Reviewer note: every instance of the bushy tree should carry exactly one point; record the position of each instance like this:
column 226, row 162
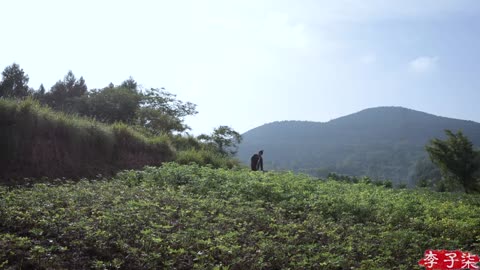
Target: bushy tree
column 14, row 82
column 66, row 93
column 167, row 103
column 129, row 83
column 457, row 159
column 116, row 104
column 157, row 122
column 161, row 112
column 224, row 139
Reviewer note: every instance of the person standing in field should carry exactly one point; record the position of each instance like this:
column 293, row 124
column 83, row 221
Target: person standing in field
column 256, row 161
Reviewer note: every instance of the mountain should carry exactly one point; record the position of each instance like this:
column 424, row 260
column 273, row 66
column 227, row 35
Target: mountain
column 382, row 143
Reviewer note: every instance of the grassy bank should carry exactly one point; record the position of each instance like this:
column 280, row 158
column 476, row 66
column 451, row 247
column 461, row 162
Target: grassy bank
column 191, row 217
column 38, row 142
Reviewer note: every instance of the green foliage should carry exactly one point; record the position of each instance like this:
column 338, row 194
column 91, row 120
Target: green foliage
column 66, row 95
column 402, row 186
column 224, row 140
column 14, row 82
column 161, row 112
column 118, row 104
column 167, row 103
column 185, row 142
column 192, row 217
column 364, row 180
column 343, row 178
column 129, row 83
column 156, row 111
column 387, row 184
column 423, row 183
column 206, row 157
column 457, row 159
column 156, row 122
column 37, row 142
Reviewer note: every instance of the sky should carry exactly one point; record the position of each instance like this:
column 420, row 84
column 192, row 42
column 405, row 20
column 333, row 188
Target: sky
column 250, row 62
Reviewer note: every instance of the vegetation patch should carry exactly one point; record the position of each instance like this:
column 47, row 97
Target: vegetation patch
column 192, row 217
column 39, row 142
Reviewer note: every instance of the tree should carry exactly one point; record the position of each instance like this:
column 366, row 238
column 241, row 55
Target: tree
column 155, row 110
column 161, row 112
column 129, row 83
column 456, row 158
column 64, row 94
column 157, row 122
column 41, row 89
column 40, row 93
column 14, row 82
column 224, row 139
column 167, row 103
column 116, row 104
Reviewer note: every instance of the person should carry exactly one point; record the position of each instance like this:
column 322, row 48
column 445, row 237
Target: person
column 256, row 161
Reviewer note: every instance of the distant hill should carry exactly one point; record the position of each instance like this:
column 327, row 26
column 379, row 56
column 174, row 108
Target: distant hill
column 382, row 142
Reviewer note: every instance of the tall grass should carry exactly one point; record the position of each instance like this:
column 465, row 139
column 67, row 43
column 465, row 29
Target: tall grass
column 36, row 141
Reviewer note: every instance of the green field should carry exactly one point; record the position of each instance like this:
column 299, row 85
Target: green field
column 191, row 217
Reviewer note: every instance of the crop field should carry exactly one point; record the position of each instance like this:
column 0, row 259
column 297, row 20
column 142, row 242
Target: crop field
column 192, row 217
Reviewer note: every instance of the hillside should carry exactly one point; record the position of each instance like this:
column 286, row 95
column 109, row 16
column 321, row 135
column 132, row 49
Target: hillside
column 191, row 217
column 37, row 142
column 383, row 142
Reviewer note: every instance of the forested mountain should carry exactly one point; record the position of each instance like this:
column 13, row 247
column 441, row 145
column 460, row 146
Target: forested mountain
column 382, row 142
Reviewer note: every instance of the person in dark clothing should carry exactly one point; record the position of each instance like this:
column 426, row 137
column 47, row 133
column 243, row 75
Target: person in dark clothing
column 256, row 161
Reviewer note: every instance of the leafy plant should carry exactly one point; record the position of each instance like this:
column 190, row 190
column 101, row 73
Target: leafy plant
column 193, row 217
column 457, row 159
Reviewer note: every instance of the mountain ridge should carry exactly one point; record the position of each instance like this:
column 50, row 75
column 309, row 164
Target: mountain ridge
column 382, row 142
column 359, row 112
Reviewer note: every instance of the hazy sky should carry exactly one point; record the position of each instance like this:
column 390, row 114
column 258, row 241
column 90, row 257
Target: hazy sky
column 249, row 62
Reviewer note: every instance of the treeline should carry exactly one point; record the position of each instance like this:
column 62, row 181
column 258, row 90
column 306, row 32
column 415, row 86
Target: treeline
column 155, row 110
column 71, row 131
